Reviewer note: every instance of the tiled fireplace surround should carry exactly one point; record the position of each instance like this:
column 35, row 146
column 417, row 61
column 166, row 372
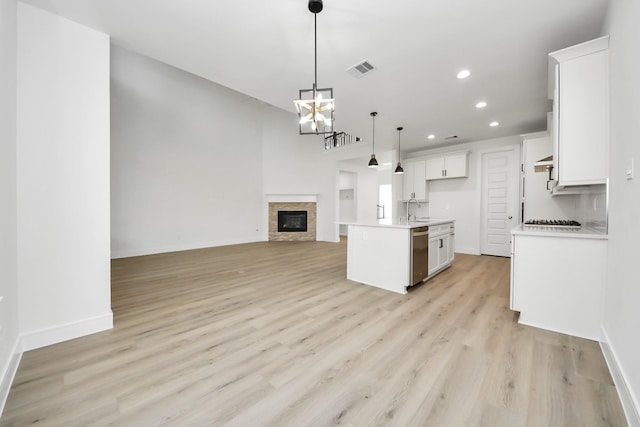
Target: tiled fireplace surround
column 292, row 203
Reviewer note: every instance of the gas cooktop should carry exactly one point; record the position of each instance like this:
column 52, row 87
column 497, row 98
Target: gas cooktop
column 564, row 223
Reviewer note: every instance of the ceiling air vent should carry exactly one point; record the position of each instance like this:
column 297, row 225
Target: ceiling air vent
column 361, row 69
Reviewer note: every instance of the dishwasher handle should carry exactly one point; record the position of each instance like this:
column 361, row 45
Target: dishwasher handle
column 420, row 233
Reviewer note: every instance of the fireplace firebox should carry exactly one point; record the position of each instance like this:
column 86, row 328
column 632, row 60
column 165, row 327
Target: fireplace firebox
column 292, row 221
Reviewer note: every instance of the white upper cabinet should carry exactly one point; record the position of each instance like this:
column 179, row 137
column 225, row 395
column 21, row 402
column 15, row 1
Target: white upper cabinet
column 451, row 165
column 579, row 76
column 414, row 184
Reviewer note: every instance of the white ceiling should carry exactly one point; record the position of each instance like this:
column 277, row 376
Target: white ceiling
column 265, row 49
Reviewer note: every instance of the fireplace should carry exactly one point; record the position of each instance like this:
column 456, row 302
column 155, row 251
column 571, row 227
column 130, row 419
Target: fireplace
column 292, row 221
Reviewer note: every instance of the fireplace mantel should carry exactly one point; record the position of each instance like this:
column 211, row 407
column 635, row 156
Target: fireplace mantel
column 292, row 198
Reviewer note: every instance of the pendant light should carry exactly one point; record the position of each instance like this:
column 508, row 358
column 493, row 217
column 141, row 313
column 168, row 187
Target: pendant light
column 399, row 169
column 373, row 163
column 316, row 108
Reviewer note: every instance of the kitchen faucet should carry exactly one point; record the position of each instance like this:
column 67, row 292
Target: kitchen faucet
column 408, row 204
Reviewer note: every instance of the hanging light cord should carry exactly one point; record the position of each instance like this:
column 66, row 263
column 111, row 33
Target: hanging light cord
column 315, row 51
column 373, row 136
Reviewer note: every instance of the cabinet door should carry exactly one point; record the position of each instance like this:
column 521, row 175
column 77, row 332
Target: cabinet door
column 451, row 248
column 407, row 181
column 434, row 168
column 583, row 148
column 414, row 185
column 434, row 252
column 419, row 180
column 444, row 250
column 455, row 166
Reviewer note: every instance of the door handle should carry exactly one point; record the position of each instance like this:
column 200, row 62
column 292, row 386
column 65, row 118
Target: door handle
column 510, row 217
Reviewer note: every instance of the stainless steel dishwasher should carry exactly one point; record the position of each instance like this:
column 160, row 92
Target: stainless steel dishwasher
column 419, row 254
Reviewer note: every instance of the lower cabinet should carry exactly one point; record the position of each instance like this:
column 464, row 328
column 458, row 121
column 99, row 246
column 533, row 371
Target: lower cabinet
column 556, row 283
column 441, row 247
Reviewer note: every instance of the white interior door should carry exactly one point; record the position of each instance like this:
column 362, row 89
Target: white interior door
column 499, row 201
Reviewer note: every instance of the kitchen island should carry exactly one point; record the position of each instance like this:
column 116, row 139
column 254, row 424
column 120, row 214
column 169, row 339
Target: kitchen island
column 381, row 253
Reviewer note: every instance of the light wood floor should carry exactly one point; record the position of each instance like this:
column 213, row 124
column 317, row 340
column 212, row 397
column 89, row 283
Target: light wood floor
column 273, row 334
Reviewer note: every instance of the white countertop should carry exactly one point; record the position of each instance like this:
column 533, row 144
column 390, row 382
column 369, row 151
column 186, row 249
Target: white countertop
column 584, row 232
column 400, row 223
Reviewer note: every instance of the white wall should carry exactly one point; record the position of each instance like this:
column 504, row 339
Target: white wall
column 589, row 208
column 460, row 198
column 622, row 291
column 367, row 187
column 62, row 179
column 8, row 205
column 193, row 161
column 186, row 160
column 347, row 210
column 539, row 203
column 299, row 164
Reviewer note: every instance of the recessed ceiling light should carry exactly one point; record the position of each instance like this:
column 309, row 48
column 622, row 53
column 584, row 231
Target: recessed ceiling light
column 493, row 124
column 463, row 74
column 431, row 136
column 481, row 104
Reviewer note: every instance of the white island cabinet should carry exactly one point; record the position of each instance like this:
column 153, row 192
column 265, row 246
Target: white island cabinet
column 441, row 244
column 380, row 254
column 557, row 279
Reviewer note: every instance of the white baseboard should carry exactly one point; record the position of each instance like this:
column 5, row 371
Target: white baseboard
column 467, row 250
column 65, row 332
column 9, row 374
column 629, row 402
column 127, row 253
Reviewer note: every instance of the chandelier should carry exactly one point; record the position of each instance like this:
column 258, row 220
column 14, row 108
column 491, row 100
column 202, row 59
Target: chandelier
column 315, row 106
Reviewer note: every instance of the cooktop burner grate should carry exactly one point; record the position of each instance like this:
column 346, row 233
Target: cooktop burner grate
column 566, row 223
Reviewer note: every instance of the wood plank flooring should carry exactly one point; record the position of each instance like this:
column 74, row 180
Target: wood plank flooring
column 272, row 334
